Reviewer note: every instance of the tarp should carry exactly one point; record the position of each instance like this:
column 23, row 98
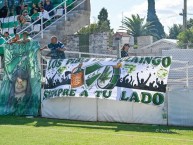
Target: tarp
column 21, row 86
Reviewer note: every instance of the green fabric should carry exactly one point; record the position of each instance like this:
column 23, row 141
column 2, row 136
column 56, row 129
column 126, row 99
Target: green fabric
column 9, row 24
column 7, row 38
column 36, row 1
column 35, row 16
column 5, row 25
column 2, row 41
column 21, row 65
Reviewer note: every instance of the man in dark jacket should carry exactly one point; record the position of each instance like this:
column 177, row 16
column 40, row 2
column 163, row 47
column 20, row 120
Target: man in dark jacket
column 48, row 6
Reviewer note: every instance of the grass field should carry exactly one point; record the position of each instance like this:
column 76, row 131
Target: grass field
column 40, row 131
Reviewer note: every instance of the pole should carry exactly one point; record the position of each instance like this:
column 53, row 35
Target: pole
column 118, row 48
column 185, row 15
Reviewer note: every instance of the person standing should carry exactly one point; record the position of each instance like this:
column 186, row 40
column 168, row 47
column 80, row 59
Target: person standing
column 57, row 49
column 124, row 51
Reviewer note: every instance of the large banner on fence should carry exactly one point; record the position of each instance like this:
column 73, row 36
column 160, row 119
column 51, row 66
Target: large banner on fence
column 138, row 79
column 21, row 87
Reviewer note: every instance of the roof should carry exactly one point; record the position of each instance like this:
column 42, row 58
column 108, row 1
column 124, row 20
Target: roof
column 122, row 34
column 169, row 41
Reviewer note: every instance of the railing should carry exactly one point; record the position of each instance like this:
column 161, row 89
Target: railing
column 64, row 3
column 180, row 80
column 44, row 59
column 65, row 15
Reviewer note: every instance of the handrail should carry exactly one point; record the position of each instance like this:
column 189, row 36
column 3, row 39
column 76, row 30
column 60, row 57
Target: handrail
column 85, row 53
column 61, row 16
column 65, row 8
column 40, row 17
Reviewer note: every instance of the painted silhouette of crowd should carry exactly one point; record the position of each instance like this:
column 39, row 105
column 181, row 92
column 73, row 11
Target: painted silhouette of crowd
column 52, row 83
column 142, row 84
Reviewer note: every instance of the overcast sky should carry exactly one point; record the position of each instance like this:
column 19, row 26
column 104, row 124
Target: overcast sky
column 167, row 10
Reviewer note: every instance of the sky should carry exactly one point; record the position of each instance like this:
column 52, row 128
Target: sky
column 166, row 10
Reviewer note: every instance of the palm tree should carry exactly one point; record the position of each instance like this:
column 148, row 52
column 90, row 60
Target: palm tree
column 136, row 26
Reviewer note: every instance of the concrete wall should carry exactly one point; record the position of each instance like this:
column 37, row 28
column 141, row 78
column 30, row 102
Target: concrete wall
column 98, row 44
column 154, row 50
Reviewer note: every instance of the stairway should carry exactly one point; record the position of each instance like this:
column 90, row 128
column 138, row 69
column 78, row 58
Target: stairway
column 76, row 19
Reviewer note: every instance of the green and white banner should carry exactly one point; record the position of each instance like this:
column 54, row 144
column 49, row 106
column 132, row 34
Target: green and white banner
column 138, row 79
column 21, row 86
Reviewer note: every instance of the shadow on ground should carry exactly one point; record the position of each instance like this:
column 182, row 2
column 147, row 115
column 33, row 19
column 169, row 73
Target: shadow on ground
column 43, row 122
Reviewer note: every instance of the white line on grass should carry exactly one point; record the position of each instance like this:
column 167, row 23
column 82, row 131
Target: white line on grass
column 113, row 134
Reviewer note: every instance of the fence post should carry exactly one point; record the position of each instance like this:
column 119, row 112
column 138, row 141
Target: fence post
column 187, row 74
column 0, row 63
column 79, row 55
column 42, row 34
column 65, row 7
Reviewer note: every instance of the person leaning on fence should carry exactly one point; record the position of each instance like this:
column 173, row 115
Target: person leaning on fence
column 124, row 51
column 57, row 49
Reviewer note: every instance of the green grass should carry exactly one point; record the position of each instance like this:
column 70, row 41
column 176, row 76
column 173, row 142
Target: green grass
column 40, row 131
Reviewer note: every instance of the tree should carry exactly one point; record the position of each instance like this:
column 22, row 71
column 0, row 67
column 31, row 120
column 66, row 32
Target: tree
column 103, row 24
column 103, row 18
column 136, row 26
column 185, row 38
column 174, row 31
column 152, row 18
column 90, row 29
column 190, row 23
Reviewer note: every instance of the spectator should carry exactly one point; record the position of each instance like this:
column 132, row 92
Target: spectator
column 11, row 12
column 26, row 8
column 56, row 49
column 6, row 36
column 15, row 39
column 25, row 38
column 23, row 24
column 4, row 11
column 10, row 3
column 124, row 51
column 34, row 6
column 19, row 9
column 35, row 16
column 40, row 4
column 48, row 6
column 26, row 16
column 45, row 15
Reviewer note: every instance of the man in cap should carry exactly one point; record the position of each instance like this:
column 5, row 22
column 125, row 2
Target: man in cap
column 57, row 48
